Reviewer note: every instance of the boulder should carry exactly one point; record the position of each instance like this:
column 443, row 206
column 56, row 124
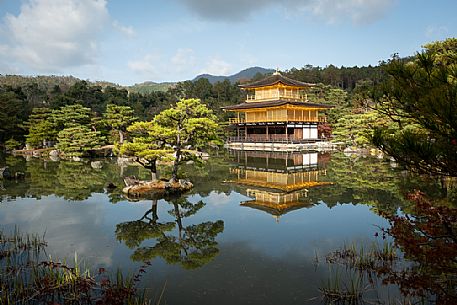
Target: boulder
column 148, row 187
column 111, row 186
column 5, row 172
column 76, row 159
column 19, row 175
column 96, row 164
column 122, row 160
column 54, row 158
column 203, row 155
column 131, row 180
column 54, row 153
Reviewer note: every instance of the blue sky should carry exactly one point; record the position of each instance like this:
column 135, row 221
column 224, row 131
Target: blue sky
column 128, row 42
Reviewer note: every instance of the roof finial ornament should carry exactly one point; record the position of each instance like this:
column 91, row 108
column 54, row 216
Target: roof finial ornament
column 277, row 72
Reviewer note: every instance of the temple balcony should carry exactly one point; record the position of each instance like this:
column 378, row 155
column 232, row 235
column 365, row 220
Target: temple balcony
column 273, row 97
column 276, row 94
column 236, row 121
column 273, row 138
column 255, row 120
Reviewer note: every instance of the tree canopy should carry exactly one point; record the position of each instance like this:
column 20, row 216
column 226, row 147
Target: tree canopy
column 187, row 125
column 422, row 91
column 118, row 118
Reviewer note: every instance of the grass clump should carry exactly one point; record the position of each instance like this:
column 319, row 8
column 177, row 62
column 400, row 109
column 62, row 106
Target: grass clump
column 27, row 276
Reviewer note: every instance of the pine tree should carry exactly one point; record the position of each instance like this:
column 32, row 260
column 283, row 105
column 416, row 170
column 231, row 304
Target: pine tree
column 422, row 90
column 118, row 118
column 188, row 124
column 145, row 146
column 77, row 141
column 41, row 127
column 71, row 116
column 76, row 137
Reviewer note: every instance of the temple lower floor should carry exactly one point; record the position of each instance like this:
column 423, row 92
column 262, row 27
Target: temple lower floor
column 276, row 133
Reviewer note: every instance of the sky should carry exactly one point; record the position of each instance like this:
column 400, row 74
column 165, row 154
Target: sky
column 128, row 42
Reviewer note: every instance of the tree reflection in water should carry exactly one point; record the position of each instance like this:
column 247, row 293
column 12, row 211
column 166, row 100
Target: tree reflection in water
column 426, row 235
column 190, row 246
column 428, row 238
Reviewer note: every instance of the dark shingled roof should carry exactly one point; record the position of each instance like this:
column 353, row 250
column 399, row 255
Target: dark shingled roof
column 274, row 104
column 274, row 79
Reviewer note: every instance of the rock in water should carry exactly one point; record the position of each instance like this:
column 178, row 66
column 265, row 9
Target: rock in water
column 147, row 187
column 96, row 164
column 19, row 175
column 111, row 186
column 5, row 172
column 54, row 153
column 130, row 181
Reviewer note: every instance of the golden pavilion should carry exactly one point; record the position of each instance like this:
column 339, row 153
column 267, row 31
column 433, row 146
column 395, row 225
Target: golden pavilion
column 276, row 110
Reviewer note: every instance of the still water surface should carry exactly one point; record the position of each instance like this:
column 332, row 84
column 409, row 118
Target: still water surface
column 248, row 233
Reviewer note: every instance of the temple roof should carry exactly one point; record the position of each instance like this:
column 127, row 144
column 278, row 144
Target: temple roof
column 276, row 209
column 274, row 79
column 275, row 103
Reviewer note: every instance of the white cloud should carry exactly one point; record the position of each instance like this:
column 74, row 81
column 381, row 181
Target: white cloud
column 217, row 66
column 50, row 35
column 183, row 63
column 216, row 199
column 149, row 65
column 436, row 32
column 183, row 60
column 125, row 30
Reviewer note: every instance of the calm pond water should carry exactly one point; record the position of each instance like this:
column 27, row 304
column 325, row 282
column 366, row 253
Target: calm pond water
column 254, row 230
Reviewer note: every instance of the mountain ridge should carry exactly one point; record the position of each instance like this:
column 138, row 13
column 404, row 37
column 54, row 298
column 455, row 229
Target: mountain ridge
column 143, row 87
column 243, row 75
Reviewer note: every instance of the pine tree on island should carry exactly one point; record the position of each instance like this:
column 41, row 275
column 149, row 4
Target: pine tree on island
column 175, row 134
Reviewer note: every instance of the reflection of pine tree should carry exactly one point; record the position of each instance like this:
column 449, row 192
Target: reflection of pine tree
column 43, row 180
column 371, row 181
column 78, row 180
column 133, row 233
column 190, row 246
column 209, row 176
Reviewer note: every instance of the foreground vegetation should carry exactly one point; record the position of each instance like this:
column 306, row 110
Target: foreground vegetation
column 417, row 255
column 28, row 277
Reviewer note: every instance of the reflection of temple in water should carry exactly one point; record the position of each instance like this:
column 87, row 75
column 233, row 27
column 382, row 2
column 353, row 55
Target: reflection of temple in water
column 278, row 182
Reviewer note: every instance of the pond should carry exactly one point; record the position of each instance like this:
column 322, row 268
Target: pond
column 255, row 229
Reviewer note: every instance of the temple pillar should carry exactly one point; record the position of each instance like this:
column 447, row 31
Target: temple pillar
column 266, row 133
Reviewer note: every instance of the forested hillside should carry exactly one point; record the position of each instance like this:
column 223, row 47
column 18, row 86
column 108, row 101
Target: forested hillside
column 346, row 88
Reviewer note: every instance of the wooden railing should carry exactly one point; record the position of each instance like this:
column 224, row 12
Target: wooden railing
column 252, row 98
column 271, row 139
column 236, row 120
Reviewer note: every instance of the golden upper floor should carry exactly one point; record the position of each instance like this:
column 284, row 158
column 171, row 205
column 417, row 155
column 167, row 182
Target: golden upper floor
column 276, row 99
column 276, row 87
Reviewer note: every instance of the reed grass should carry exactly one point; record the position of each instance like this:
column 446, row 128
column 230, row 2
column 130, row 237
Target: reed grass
column 28, row 276
column 352, row 272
